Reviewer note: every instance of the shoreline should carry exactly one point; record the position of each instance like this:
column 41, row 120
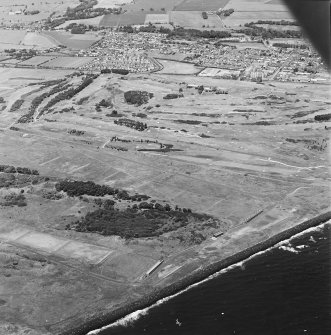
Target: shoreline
column 98, row 321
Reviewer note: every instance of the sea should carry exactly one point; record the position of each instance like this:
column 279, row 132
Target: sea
column 283, row 290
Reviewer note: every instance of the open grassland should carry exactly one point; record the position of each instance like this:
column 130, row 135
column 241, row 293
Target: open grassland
column 194, row 19
column 45, row 8
column 146, row 5
column 201, row 5
column 111, row 3
column 252, row 11
column 72, row 41
column 38, row 60
column 67, row 62
column 22, row 39
column 173, row 67
column 225, row 155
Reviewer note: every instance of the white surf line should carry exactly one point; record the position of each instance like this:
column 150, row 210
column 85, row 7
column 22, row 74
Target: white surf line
column 137, row 314
column 293, row 166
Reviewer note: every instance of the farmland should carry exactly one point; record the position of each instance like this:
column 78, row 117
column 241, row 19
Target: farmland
column 193, row 19
column 67, row 62
column 250, row 11
column 72, row 41
column 198, row 5
column 45, row 8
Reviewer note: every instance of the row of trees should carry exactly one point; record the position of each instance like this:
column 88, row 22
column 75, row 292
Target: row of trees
column 70, row 92
column 16, row 105
column 28, row 117
column 123, row 72
column 268, row 33
column 137, row 125
column 78, row 188
column 177, row 32
column 21, row 170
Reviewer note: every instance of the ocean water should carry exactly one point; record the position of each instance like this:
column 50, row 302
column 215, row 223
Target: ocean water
column 284, row 290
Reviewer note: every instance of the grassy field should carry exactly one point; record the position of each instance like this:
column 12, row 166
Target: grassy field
column 68, row 62
column 174, row 67
column 223, row 163
column 138, row 5
column 252, row 11
column 34, row 61
column 194, row 19
column 201, row 5
column 72, row 41
column 46, row 8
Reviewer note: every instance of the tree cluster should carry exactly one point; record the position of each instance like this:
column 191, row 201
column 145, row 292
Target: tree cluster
column 70, row 92
column 225, row 12
column 137, row 125
column 276, row 23
column 145, row 220
column 21, row 170
column 31, row 12
column 137, row 97
column 268, row 33
column 21, row 54
column 38, row 100
column 288, row 45
column 79, row 188
column 76, row 132
column 322, row 117
column 172, row 96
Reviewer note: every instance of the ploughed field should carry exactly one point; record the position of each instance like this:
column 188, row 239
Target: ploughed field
column 102, row 176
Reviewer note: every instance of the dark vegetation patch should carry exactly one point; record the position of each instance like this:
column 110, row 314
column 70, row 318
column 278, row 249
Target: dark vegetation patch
column 141, row 115
column 39, row 99
column 82, row 100
column 303, row 113
column 323, row 117
column 14, row 128
column 143, row 219
column 70, row 92
column 103, row 103
column 137, row 222
column 251, row 29
column 137, row 97
column 315, row 145
column 14, row 199
column 117, row 71
column 137, row 125
column 205, row 136
column 260, row 123
column 13, row 169
column 16, row 105
column 114, row 113
column 79, row 188
column 76, row 132
column 173, row 96
column 206, row 114
column 193, row 122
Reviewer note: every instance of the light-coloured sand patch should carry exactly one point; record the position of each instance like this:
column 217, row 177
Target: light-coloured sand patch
column 41, row 241
column 91, row 253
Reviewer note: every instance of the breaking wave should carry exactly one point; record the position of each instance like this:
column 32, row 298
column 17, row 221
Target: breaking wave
column 285, row 245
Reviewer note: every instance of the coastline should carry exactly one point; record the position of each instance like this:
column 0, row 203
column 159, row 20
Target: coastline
column 99, row 320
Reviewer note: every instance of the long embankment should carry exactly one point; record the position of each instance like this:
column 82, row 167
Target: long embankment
column 152, row 297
